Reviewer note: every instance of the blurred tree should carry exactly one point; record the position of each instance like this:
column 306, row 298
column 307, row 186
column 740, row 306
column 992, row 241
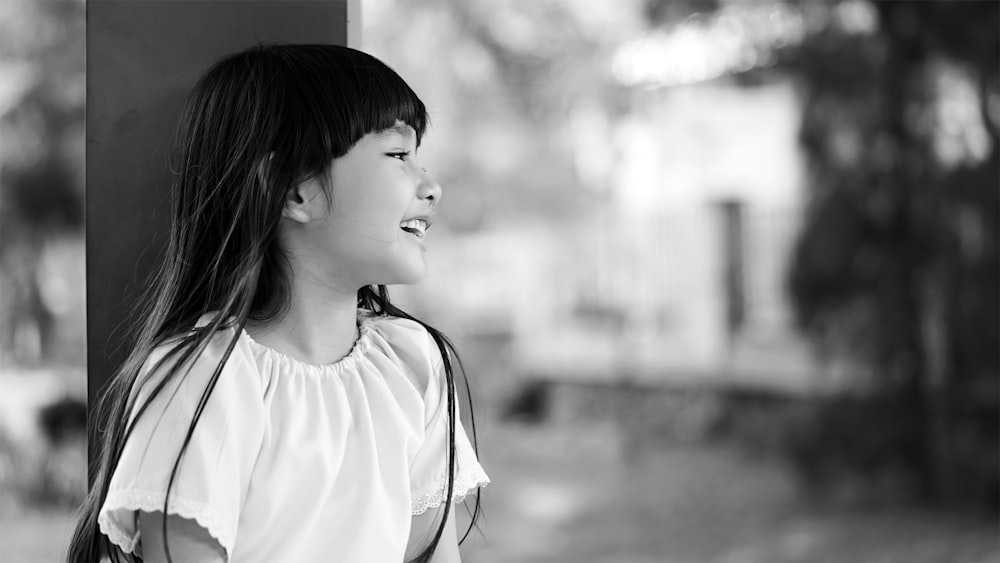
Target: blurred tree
column 666, row 12
column 41, row 162
column 514, row 74
column 898, row 260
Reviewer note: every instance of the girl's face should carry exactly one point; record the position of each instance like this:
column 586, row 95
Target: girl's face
column 371, row 230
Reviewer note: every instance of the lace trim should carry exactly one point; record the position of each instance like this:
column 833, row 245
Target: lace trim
column 464, row 484
column 149, row 501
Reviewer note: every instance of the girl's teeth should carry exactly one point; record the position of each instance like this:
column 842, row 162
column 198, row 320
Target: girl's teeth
column 414, row 226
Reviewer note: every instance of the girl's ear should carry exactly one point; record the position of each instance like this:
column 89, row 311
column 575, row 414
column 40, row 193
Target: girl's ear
column 296, row 200
column 297, row 204
column 300, row 204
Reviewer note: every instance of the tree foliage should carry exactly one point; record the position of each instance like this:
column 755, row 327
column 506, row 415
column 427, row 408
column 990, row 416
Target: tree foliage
column 41, row 168
column 898, row 260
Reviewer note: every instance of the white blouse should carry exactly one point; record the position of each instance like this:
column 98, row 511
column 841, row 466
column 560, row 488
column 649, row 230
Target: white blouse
column 298, row 462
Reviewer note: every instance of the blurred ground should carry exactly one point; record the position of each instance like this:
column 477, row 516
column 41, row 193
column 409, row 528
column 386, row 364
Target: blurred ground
column 35, row 536
column 565, row 494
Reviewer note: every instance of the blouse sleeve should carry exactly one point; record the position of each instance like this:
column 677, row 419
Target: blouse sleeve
column 429, row 468
column 214, row 474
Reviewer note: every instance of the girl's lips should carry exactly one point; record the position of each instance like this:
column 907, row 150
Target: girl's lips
column 427, row 218
column 415, row 226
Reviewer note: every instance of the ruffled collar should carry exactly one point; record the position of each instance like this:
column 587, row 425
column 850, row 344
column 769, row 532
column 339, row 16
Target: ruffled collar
column 365, row 329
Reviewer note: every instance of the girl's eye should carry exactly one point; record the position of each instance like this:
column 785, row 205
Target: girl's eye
column 399, row 155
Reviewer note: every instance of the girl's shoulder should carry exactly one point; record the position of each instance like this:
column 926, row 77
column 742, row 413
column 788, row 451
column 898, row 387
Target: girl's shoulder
column 180, row 353
column 407, row 342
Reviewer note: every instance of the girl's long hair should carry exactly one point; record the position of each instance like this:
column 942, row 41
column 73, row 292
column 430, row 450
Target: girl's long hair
column 256, row 123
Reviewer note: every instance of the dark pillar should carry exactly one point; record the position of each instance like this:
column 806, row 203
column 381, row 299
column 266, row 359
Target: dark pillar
column 143, row 57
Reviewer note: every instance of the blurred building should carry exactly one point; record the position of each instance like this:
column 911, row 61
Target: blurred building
column 674, row 271
column 681, row 275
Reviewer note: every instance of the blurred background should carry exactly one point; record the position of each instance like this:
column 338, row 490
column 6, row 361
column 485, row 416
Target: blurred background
column 724, row 273
column 43, row 380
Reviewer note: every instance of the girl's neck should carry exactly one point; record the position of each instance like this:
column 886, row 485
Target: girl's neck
column 319, row 327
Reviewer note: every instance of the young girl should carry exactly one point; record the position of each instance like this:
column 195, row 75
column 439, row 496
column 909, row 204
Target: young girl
column 276, row 406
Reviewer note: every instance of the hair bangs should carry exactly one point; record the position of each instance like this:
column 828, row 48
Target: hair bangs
column 347, row 94
column 390, row 100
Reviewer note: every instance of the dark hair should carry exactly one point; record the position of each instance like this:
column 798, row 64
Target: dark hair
column 297, row 107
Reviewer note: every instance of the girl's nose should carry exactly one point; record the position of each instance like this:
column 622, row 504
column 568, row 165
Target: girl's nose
column 429, row 189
